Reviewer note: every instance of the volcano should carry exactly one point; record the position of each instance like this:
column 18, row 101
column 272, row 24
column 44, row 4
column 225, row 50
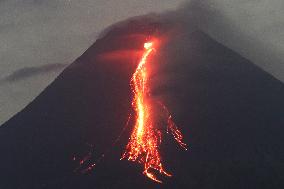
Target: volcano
column 230, row 112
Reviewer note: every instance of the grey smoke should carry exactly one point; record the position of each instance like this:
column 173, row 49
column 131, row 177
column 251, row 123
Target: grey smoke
column 252, row 28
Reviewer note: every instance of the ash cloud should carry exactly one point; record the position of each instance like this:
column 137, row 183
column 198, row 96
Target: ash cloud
column 253, row 29
column 243, row 26
column 28, row 72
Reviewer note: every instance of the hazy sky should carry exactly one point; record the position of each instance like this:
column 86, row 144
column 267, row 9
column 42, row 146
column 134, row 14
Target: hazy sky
column 38, row 38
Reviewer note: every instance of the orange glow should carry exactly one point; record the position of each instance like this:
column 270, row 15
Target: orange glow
column 146, row 137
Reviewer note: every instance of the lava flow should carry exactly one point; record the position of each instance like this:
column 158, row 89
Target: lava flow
column 146, row 137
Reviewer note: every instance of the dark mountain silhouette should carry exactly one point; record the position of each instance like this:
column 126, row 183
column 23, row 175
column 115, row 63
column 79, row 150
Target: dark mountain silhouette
column 230, row 111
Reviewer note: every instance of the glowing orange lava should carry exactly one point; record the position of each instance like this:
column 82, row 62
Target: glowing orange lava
column 146, row 137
